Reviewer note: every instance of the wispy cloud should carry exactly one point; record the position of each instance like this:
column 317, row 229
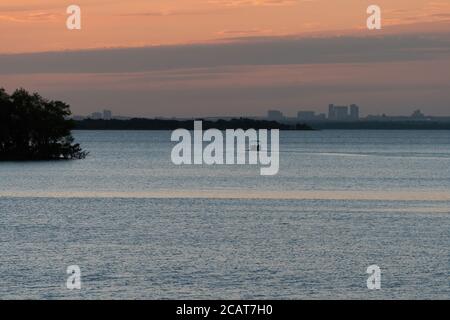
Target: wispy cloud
column 239, row 3
column 246, row 52
column 37, row 16
column 244, row 32
column 169, row 13
column 434, row 11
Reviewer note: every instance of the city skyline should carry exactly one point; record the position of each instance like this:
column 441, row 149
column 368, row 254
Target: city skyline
column 352, row 112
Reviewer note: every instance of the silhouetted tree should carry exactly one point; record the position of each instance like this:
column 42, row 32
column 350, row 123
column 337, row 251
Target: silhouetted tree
column 34, row 128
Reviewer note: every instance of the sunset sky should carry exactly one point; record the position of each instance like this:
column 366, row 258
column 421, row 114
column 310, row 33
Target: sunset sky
column 229, row 57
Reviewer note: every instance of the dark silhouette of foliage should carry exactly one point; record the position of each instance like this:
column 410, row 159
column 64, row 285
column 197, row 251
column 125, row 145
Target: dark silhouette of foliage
column 33, row 128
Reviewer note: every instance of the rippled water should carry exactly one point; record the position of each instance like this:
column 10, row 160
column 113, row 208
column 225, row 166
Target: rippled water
column 140, row 227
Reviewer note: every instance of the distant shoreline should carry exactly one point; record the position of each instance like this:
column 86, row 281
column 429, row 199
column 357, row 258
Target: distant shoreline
column 243, row 123
column 159, row 124
column 382, row 125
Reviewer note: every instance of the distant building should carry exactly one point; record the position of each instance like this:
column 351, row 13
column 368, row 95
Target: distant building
column 121, row 118
column 310, row 116
column 331, row 114
column 306, row 115
column 78, row 118
column 354, row 112
column 96, row 116
column 275, row 115
column 418, row 115
column 107, row 115
column 343, row 113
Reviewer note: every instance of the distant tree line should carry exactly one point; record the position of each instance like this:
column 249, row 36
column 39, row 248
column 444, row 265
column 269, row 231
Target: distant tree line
column 34, row 128
column 161, row 124
column 384, row 125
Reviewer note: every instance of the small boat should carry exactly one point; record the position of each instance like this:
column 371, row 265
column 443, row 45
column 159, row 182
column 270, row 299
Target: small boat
column 255, row 146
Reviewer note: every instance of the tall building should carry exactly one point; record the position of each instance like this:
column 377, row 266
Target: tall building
column 310, row 116
column 331, row 114
column 354, row 112
column 96, row 116
column 306, row 115
column 343, row 113
column 107, row 115
column 275, row 115
column 78, row 118
column 418, row 115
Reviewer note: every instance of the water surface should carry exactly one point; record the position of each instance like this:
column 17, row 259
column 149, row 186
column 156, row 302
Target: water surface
column 140, row 227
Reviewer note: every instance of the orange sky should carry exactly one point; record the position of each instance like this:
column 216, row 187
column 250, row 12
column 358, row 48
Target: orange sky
column 39, row 25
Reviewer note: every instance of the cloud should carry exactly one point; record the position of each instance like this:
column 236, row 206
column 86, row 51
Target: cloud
column 433, row 11
column 170, row 13
column 229, row 4
column 239, row 3
column 378, row 88
column 441, row 15
column 243, row 52
column 245, row 32
column 37, row 16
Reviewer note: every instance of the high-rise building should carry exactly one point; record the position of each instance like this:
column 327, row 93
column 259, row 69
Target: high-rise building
column 107, row 115
column 306, row 115
column 275, row 115
column 96, row 116
column 418, row 115
column 331, row 113
column 343, row 113
column 354, row 112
